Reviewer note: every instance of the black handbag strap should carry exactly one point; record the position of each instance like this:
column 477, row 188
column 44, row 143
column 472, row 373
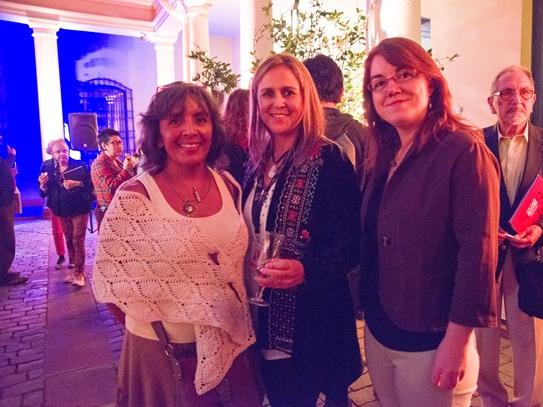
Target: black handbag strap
column 158, row 327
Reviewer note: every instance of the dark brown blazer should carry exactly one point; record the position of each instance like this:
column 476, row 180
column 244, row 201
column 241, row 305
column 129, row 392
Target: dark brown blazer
column 437, row 235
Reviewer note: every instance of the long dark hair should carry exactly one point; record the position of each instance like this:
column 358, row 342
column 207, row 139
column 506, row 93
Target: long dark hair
column 162, row 104
column 402, row 53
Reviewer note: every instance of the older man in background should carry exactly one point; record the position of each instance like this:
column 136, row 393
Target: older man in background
column 518, row 146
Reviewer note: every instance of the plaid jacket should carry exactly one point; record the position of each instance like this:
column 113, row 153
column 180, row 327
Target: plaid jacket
column 107, row 175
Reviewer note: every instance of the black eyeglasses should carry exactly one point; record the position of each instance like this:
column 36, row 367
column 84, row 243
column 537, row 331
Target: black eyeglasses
column 115, row 142
column 379, row 84
column 507, row 94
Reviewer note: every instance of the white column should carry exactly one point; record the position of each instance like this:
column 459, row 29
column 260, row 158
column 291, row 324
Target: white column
column 48, row 77
column 197, row 12
column 186, row 50
column 165, row 59
column 393, row 18
column 252, row 20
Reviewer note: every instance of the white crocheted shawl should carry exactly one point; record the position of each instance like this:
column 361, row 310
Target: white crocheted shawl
column 157, row 268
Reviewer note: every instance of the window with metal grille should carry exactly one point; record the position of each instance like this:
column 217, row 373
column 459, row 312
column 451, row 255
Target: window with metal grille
column 112, row 103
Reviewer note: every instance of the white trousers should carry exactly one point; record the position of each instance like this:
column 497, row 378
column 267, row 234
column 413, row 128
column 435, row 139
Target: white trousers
column 526, row 336
column 403, row 379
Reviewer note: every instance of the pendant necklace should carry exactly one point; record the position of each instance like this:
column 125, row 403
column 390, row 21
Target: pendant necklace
column 272, row 172
column 189, row 206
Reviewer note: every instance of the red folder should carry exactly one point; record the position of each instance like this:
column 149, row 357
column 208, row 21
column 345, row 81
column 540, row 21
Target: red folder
column 530, row 209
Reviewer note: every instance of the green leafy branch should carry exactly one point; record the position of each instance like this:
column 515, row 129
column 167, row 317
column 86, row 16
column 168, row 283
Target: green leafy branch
column 306, row 33
column 215, row 75
column 441, row 62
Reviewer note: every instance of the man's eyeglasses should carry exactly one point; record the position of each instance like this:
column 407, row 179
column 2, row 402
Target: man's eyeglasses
column 402, row 75
column 507, row 94
column 115, row 142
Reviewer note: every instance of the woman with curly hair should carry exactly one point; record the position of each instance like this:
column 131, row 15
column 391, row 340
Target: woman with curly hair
column 170, row 264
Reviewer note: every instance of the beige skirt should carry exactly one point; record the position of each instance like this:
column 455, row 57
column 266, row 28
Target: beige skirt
column 146, row 379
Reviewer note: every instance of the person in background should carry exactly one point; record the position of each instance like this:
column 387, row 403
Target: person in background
column 108, row 172
column 236, row 117
column 299, row 184
column 236, row 122
column 68, row 188
column 170, row 264
column 7, row 226
column 518, row 145
column 429, row 233
column 56, row 226
column 340, row 127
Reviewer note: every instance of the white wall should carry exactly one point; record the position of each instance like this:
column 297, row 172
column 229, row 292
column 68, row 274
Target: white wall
column 487, row 35
column 178, row 46
column 236, row 54
column 222, row 48
column 128, row 60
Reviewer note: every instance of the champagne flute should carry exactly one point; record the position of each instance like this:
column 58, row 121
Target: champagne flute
column 268, row 248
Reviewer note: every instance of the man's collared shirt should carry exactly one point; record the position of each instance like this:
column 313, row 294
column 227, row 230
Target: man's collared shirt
column 513, row 152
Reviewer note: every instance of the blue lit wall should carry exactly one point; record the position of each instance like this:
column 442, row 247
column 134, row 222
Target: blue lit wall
column 72, row 45
column 20, row 117
column 82, row 56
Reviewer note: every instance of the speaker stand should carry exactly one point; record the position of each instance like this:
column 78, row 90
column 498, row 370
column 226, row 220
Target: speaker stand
column 90, row 226
column 88, row 157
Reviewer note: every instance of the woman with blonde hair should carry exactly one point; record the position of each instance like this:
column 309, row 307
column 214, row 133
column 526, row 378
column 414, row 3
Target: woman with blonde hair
column 299, row 185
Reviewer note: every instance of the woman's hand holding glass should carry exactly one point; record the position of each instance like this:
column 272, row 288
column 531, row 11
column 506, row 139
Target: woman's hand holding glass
column 272, row 269
column 281, row 273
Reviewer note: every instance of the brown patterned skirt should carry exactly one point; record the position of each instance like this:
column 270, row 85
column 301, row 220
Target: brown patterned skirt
column 146, row 379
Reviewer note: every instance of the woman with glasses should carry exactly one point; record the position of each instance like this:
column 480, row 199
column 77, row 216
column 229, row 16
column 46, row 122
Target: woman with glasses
column 299, row 184
column 170, row 264
column 108, row 172
column 429, row 233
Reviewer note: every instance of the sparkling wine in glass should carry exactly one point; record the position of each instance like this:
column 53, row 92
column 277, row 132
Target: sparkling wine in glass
column 268, row 248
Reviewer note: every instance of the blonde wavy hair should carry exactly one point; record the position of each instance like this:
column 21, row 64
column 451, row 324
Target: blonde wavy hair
column 311, row 127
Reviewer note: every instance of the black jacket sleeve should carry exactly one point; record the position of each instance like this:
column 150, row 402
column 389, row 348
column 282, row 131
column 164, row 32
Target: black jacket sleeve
column 335, row 220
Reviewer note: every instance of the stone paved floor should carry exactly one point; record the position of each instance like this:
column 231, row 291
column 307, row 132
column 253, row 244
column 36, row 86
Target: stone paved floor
column 59, row 348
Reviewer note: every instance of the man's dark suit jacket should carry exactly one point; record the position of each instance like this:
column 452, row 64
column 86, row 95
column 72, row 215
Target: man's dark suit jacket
column 529, row 273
